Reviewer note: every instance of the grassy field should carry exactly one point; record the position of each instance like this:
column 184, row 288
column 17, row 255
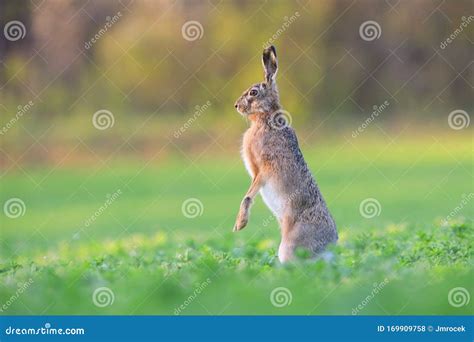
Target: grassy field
column 154, row 260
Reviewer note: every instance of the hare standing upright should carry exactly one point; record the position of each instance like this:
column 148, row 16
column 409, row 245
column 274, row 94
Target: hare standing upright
column 273, row 158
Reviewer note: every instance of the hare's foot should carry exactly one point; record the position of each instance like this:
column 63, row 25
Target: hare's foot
column 243, row 216
column 286, row 252
column 241, row 221
column 240, row 224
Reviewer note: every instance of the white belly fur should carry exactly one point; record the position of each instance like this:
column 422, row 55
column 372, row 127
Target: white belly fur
column 247, row 165
column 272, row 199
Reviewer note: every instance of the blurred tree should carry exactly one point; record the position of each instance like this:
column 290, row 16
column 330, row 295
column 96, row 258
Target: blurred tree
column 141, row 63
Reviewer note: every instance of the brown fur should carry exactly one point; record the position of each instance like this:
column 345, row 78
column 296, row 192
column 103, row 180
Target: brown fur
column 279, row 172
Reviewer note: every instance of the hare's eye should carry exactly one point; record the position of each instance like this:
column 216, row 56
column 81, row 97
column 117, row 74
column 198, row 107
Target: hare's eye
column 253, row 92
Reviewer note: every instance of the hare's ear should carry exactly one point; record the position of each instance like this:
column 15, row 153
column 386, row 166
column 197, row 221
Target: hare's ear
column 270, row 64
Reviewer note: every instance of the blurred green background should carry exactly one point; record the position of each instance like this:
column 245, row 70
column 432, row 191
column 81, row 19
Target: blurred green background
column 168, row 92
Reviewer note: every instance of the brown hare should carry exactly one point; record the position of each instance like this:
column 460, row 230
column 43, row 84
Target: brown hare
column 274, row 161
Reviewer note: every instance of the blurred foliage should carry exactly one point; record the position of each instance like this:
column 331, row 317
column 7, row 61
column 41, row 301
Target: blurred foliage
column 142, row 64
column 163, row 274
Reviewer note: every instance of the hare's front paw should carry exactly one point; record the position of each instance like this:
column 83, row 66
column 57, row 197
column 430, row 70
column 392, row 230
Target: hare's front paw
column 241, row 222
column 243, row 216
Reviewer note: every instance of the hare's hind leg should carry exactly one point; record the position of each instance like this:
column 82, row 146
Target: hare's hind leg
column 299, row 235
column 286, row 251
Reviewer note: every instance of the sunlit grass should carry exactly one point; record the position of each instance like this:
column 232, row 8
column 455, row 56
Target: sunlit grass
column 153, row 257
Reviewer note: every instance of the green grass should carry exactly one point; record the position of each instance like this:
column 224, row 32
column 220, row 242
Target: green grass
column 153, row 257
